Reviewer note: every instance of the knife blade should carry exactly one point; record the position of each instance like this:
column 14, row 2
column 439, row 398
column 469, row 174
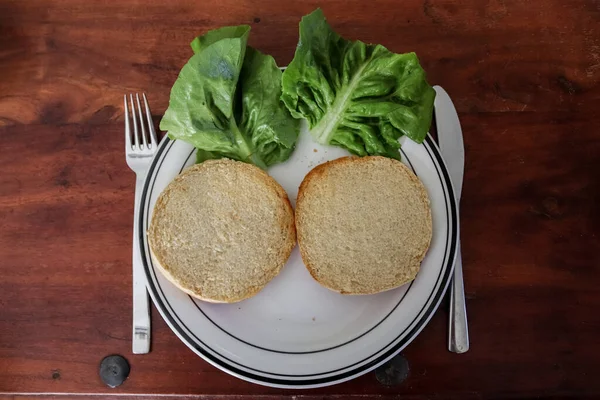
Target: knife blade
column 450, row 140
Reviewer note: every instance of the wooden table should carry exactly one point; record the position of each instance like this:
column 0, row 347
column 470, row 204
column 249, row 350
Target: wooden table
column 524, row 77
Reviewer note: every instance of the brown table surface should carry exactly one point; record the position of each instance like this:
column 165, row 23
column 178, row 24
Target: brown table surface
column 524, row 77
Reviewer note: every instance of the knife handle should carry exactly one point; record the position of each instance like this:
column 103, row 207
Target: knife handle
column 458, row 335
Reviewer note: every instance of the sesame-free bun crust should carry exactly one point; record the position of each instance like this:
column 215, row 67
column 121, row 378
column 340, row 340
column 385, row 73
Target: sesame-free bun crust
column 363, row 224
column 222, row 230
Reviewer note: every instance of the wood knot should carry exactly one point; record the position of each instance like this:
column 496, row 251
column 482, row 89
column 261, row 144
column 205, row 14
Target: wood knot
column 63, row 177
column 55, row 113
column 549, row 208
column 568, row 86
column 550, row 205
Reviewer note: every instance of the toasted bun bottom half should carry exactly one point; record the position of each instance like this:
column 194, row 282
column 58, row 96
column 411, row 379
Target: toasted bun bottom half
column 222, row 230
column 363, row 224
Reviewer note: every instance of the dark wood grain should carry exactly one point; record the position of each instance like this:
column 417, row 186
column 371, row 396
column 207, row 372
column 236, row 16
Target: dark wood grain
column 524, row 77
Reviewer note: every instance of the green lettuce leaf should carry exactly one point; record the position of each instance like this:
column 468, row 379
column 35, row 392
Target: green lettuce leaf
column 226, row 32
column 359, row 96
column 226, row 102
column 273, row 130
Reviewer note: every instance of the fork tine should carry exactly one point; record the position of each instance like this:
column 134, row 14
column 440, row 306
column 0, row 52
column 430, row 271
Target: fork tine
column 135, row 124
column 150, row 123
column 127, row 125
column 142, row 125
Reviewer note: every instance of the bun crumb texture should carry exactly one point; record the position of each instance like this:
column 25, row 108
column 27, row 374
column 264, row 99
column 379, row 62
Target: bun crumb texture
column 364, row 224
column 222, row 230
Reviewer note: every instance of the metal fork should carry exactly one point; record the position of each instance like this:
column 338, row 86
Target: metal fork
column 139, row 149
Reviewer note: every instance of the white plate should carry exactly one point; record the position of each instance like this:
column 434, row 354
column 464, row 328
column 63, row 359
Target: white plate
column 295, row 333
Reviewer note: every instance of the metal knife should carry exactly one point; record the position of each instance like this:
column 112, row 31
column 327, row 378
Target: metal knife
column 451, row 144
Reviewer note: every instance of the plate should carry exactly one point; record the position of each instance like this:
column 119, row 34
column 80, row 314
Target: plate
column 296, row 333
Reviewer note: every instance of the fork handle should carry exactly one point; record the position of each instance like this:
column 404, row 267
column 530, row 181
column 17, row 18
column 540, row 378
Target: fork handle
column 458, row 336
column 140, row 343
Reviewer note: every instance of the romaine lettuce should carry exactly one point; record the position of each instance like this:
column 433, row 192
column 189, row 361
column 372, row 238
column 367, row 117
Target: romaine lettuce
column 226, row 102
column 359, row 96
